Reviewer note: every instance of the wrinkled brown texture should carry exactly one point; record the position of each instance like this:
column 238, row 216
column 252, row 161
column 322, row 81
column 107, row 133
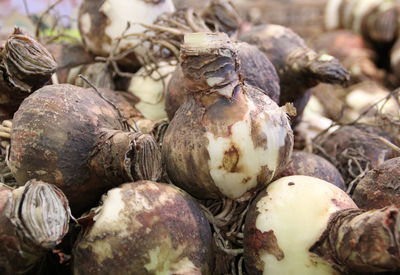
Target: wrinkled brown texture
column 299, row 68
column 362, row 242
column 222, row 16
column 154, row 216
column 25, row 65
column 309, row 164
column 73, row 138
column 187, row 158
column 214, row 109
column 380, row 187
column 23, row 244
column 175, row 93
column 255, row 69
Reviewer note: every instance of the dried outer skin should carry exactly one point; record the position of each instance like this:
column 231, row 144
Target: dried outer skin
column 309, row 164
column 379, row 187
column 258, row 71
column 357, row 141
column 97, row 73
column 233, row 138
column 255, row 69
column 27, row 64
column 375, row 20
column 299, row 68
column 207, row 117
column 353, row 51
column 11, row 259
column 364, row 242
column 33, row 219
column 175, row 93
column 154, row 229
column 145, row 158
column 73, row 138
column 222, row 16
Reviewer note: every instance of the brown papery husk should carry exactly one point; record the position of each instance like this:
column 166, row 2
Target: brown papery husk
column 181, row 164
column 309, row 164
column 299, row 68
column 74, row 138
column 150, row 228
column 25, row 65
column 218, row 106
column 379, row 187
column 34, row 219
column 355, row 149
column 255, row 70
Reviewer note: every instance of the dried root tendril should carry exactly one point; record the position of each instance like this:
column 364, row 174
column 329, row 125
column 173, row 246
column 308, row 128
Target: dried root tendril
column 227, row 219
column 357, row 164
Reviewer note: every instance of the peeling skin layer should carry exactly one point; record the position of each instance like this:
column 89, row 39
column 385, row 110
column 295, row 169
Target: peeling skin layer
column 230, row 145
column 296, row 209
column 12, row 261
column 145, row 228
column 110, row 17
column 380, row 187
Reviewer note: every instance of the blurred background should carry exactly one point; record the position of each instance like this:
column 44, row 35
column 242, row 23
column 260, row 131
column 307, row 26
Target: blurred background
column 25, row 13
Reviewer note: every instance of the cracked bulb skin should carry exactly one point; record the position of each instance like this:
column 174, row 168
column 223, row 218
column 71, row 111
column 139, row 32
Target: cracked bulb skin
column 145, row 228
column 228, row 137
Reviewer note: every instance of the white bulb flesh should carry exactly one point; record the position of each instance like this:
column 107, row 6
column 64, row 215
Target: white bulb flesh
column 251, row 159
column 297, row 210
column 118, row 14
column 204, row 40
column 150, row 91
